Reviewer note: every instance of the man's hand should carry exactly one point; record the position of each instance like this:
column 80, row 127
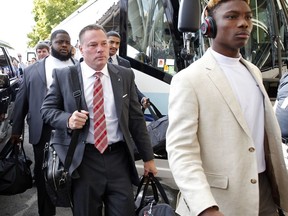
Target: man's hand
column 78, row 119
column 15, row 139
column 2, row 117
column 149, row 167
column 145, row 102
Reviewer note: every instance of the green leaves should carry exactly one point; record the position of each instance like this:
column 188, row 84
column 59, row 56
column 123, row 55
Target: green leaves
column 48, row 14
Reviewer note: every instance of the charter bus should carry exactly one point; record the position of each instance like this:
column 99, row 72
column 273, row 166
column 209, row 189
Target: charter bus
column 158, row 48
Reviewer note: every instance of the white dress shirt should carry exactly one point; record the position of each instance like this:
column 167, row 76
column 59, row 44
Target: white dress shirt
column 114, row 59
column 114, row 133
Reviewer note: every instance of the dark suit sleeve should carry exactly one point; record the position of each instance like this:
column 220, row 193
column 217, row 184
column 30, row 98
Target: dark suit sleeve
column 123, row 62
column 139, row 94
column 21, row 106
column 137, row 124
column 127, row 63
column 282, row 112
column 52, row 109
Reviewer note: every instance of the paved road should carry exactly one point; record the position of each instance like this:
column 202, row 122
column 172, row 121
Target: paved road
column 25, row 204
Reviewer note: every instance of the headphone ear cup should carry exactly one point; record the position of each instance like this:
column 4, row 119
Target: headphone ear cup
column 208, row 27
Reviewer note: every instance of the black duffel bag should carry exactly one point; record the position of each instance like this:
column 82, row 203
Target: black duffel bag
column 15, row 173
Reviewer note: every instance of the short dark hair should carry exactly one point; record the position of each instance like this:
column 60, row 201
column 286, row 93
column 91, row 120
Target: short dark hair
column 114, row 34
column 89, row 28
column 42, row 45
column 56, row 32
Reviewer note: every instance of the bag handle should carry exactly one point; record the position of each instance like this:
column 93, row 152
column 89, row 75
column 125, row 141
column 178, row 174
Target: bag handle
column 156, row 114
column 7, row 149
column 14, row 149
column 146, row 181
column 156, row 186
column 159, row 187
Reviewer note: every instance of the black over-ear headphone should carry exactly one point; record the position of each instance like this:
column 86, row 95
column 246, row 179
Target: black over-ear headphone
column 208, row 27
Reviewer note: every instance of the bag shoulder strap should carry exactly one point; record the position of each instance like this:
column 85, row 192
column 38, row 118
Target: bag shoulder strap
column 156, row 114
column 76, row 86
column 75, row 134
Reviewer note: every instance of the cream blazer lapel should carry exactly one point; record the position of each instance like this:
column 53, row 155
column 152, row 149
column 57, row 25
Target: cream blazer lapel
column 269, row 114
column 220, row 81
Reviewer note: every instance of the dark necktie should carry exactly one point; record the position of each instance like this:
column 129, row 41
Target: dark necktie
column 100, row 132
column 110, row 60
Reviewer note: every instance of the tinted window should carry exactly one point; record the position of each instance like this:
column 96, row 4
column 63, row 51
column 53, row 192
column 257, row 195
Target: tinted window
column 149, row 36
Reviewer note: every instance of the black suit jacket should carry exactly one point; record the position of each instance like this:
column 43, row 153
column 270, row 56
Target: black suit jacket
column 29, row 99
column 125, row 63
column 59, row 104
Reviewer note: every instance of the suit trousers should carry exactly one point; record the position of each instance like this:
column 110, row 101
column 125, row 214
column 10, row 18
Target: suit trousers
column 104, row 181
column 267, row 206
column 45, row 206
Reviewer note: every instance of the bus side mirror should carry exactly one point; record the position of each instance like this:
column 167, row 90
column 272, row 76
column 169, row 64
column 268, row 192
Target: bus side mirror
column 189, row 16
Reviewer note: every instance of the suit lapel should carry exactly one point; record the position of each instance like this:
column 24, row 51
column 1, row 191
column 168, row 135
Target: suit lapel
column 256, row 77
column 41, row 71
column 117, row 86
column 219, row 79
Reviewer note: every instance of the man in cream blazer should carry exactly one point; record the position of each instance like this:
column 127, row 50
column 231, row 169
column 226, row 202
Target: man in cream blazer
column 223, row 140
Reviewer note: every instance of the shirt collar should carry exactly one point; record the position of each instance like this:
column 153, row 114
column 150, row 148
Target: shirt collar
column 114, row 58
column 89, row 72
column 225, row 59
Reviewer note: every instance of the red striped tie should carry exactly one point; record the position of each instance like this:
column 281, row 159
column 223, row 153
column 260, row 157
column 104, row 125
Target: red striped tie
column 100, row 132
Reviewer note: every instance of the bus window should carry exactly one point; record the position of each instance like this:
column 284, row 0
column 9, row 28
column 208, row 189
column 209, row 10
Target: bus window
column 149, row 36
column 282, row 8
column 262, row 48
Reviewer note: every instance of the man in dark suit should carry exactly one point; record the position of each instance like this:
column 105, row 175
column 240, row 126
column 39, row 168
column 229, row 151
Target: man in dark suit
column 36, row 81
column 100, row 177
column 281, row 107
column 114, row 41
